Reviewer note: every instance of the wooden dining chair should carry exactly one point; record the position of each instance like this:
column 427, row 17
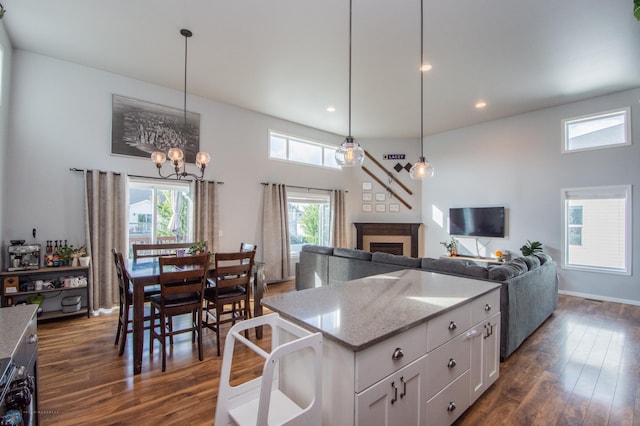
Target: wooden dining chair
column 126, row 300
column 227, row 295
column 141, row 251
column 182, row 282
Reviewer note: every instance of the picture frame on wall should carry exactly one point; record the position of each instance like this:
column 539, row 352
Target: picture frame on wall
column 381, row 196
column 381, row 208
column 366, row 196
column 367, row 207
column 366, row 186
column 139, row 128
column 394, row 208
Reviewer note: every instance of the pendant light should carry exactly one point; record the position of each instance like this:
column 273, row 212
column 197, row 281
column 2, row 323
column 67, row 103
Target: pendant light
column 350, row 153
column 175, row 154
column 422, row 169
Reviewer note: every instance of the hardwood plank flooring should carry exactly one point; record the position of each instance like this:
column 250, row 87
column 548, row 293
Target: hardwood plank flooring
column 579, row 368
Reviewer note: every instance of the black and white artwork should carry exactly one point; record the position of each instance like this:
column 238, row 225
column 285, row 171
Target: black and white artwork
column 138, row 128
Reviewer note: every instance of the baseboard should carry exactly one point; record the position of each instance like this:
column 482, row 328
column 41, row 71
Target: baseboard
column 601, row 298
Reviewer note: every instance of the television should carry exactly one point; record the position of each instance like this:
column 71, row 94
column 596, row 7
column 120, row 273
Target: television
column 477, row 222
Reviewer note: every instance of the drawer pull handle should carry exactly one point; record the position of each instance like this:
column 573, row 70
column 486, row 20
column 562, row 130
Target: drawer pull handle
column 487, row 307
column 451, row 407
column 452, row 325
column 404, row 387
column 33, row 338
column 452, row 363
column 395, row 393
column 397, row 354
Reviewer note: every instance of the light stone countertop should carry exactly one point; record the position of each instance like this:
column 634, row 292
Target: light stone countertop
column 13, row 323
column 362, row 312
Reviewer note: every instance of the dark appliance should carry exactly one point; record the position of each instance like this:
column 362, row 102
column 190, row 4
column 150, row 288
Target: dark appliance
column 17, row 405
column 477, row 222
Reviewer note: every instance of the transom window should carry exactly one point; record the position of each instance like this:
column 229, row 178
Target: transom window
column 597, row 229
column 159, row 212
column 297, row 150
column 603, row 130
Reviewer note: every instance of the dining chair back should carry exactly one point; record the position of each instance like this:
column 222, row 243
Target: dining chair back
column 227, row 296
column 182, row 281
column 161, row 249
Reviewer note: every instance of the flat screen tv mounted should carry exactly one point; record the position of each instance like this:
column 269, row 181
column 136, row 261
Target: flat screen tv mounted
column 477, row 222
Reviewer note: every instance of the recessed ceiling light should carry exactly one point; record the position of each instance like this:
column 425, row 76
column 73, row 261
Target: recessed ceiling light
column 426, row 67
column 331, row 109
column 481, row 104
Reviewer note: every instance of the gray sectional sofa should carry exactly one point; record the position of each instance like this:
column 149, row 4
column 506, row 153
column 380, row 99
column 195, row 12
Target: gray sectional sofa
column 528, row 296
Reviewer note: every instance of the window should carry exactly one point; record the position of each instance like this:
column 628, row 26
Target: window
column 159, row 212
column 602, row 130
column 289, row 148
column 597, row 229
column 309, row 220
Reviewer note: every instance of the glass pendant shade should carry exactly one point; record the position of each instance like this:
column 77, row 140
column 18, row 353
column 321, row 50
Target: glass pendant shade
column 350, row 153
column 158, row 158
column 175, row 154
column 202, row 159
column 421, row 170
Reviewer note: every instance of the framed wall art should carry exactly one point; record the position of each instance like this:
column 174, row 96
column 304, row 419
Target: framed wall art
column 381, row 196
column 366, row 186
column 138, row 128
column 381, row 208
column 367, row 208
column 367, row 196
column 395, row 208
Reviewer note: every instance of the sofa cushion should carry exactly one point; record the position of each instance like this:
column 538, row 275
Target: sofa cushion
column 508, row 270
column 532, row 262
column 543, row 257
column 476, row 271
column 394, row 259
column 352, row 253
column 310, row 248
column 458, row 267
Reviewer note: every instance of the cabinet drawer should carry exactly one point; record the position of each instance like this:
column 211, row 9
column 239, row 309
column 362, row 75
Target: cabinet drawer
column 448, row 405
column 485, row 306
column 447, row 362
column 447, row 326
column 378, row 361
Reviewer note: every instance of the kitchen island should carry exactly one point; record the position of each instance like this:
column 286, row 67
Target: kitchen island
column 399, row 348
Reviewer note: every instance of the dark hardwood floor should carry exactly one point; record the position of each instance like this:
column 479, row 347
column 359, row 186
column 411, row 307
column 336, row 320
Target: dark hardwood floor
column 580, row 368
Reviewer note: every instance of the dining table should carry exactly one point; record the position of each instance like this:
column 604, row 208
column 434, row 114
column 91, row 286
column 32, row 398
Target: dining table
column 145, row 272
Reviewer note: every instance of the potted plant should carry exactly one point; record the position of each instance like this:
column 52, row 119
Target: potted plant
column 197, row 248
column 531, row 247
column 451, row 246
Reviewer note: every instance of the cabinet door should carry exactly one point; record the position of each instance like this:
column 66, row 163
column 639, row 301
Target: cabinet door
column 399, row 399
column 485, row 355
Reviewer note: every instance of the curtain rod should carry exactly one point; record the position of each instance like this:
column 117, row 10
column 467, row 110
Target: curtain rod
column 73, row 169
column 303, row 187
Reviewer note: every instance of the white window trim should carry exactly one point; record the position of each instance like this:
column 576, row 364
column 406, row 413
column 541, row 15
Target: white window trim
column 627, row 129
column 301, row 139
column 627, row 189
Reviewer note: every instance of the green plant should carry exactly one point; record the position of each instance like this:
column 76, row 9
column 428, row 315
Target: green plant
column 636, row 9
column 198, row 247
column 531, row 247
column 451, row 246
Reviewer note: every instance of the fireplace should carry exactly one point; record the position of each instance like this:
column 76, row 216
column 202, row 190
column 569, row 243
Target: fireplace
column 394, row 238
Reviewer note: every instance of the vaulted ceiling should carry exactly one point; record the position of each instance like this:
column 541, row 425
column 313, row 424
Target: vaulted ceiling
column 289, row 58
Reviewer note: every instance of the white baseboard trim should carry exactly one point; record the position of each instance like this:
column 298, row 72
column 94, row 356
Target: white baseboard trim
column 601, row 298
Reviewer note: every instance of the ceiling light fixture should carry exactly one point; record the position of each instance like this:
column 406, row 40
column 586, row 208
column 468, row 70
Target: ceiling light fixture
column 175, row 154
column 422, row 169
column 350, row 153
column 481, row 104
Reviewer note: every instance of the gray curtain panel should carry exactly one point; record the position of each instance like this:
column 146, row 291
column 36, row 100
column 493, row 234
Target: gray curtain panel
column 339, row 235
column 206, row 207
column 275, row 233
column 105, row 228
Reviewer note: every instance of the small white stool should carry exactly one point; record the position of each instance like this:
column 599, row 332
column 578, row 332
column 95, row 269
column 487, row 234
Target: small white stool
column 261, row 401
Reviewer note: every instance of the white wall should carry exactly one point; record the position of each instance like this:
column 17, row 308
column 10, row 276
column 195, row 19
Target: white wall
column 61, row 118
column 517, row 163
column 7, row 54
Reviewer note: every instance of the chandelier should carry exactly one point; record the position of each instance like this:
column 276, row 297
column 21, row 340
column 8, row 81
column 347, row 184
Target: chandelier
column 350, row 153
column 175, row 154
column 422, row 169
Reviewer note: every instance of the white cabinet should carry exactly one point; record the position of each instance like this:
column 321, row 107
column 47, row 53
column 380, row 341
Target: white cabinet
column 485, row 355
column 398, row 399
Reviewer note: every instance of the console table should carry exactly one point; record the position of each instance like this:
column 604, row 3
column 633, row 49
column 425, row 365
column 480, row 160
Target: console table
column 488, row 260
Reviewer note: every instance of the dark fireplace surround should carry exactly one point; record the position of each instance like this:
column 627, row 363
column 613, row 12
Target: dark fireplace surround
column 394, row 238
